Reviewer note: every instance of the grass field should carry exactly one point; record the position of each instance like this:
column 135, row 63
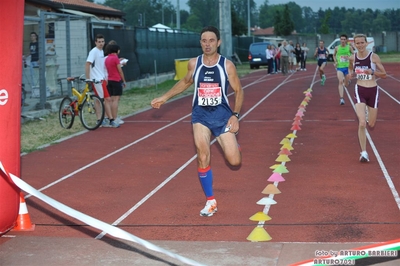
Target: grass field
column 37, row 133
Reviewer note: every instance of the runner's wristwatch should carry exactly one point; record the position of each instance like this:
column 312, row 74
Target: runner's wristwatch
column 236, row 114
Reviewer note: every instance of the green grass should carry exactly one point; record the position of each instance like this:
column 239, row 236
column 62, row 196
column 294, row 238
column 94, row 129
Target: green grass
column 37, row 133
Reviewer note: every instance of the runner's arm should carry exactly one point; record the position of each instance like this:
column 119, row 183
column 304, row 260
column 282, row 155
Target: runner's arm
column 334, row 55
column 380, row 71
column 179, row 87
column 236, row 86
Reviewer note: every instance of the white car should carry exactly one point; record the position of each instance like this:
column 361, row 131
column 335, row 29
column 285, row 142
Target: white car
column 336, row 42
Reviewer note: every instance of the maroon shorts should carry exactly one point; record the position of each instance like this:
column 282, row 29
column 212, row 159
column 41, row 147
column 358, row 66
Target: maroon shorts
column 367, row 95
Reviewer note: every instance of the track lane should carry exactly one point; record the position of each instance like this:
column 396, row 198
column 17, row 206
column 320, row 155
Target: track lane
column 176, row 217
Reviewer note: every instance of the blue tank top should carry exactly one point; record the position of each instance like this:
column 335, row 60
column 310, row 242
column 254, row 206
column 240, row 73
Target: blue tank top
column 322, row 53
column 211, row 89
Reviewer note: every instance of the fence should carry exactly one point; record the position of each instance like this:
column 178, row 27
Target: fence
column 60, row 41
column 65, row 41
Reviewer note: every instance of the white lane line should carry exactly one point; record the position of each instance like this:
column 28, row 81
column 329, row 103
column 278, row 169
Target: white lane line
column 110, row 154
column 378, row 157
column 143, row 200
column 271, row 196
column 388, row 94
column 125, row 147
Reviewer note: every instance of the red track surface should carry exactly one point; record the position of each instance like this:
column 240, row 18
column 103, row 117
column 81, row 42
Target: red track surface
column 328, row 195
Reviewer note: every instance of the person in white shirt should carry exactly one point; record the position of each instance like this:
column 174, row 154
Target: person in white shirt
column 95, row 70
column 270, row 58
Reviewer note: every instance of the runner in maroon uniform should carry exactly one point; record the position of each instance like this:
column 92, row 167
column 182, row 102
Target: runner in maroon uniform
column 366, row 66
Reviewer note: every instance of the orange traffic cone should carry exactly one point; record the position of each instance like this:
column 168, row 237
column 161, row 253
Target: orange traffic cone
column 23, row 222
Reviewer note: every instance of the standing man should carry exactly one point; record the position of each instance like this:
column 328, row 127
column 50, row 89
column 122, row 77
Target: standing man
column 322, row 54
column 211, row 74
column 95, row 70
column 284, row 57
column 366, row 66
column 341, row 57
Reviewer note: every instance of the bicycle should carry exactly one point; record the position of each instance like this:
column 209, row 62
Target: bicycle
column 88, row 105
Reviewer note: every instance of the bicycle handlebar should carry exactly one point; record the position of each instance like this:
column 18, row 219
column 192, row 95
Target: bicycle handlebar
column 86, row 80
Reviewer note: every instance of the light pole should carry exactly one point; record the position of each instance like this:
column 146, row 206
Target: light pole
column 248, row 17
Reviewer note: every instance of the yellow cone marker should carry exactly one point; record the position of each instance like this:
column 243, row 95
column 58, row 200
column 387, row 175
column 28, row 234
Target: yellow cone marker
column 260, row 216
column 291, row 136
column 274, row 166
column 287, row 146
column 259, row 234
column 282, row 158
column 285, row 140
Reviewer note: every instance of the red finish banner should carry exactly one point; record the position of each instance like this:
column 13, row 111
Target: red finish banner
column 11, row 30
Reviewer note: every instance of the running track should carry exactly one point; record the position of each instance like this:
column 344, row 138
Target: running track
column 142, row 177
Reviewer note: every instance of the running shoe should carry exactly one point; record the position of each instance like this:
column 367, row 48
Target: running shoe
column 114, row 124
column 341, row 101
column 364, row 157
column 323, row 80
column 119, row 120
column 105, row 123
column 209, row 209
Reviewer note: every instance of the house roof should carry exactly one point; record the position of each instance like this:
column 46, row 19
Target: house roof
column 80, row 5
column 263, row 32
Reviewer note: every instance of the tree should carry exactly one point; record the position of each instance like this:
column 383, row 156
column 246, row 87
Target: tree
column 238, row 25
column 205, row 11
column 325, row 23
column 278, row 23
column 286, row 26
column 381, row 23
column 240, row 8
column 150, row 11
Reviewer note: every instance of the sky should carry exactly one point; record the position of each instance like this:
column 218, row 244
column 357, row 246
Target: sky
column 324, row 4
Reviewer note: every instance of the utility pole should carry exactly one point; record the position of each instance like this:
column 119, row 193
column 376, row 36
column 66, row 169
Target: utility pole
column 225, row 27
column 178, row 16
column 248, row 17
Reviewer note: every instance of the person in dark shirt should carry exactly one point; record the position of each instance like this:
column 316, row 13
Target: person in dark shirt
column 34, row 55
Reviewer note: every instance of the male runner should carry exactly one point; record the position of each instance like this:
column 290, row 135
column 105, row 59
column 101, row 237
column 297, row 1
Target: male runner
column 322, row 54
column 341, row 57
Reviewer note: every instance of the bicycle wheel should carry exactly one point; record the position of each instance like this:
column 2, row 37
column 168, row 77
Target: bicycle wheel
column 91, row 112
column 66, row 113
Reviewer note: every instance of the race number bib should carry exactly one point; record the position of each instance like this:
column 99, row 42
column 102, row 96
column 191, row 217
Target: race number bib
column 321, row 56
column 361, row 75
column 344, row 58
column 364, row 77
column 209, row 94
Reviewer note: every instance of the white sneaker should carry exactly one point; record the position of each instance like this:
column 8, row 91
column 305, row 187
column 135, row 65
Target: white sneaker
column 105, row 123
column 119, row 120
column 210, row 208
column 364, row 157
column 341, row 101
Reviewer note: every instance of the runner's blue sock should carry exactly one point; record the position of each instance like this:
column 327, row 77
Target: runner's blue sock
column 206, row 180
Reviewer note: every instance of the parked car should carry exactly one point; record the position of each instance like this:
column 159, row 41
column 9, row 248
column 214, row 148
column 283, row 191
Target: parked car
column 336, row 42
column 257, row 56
